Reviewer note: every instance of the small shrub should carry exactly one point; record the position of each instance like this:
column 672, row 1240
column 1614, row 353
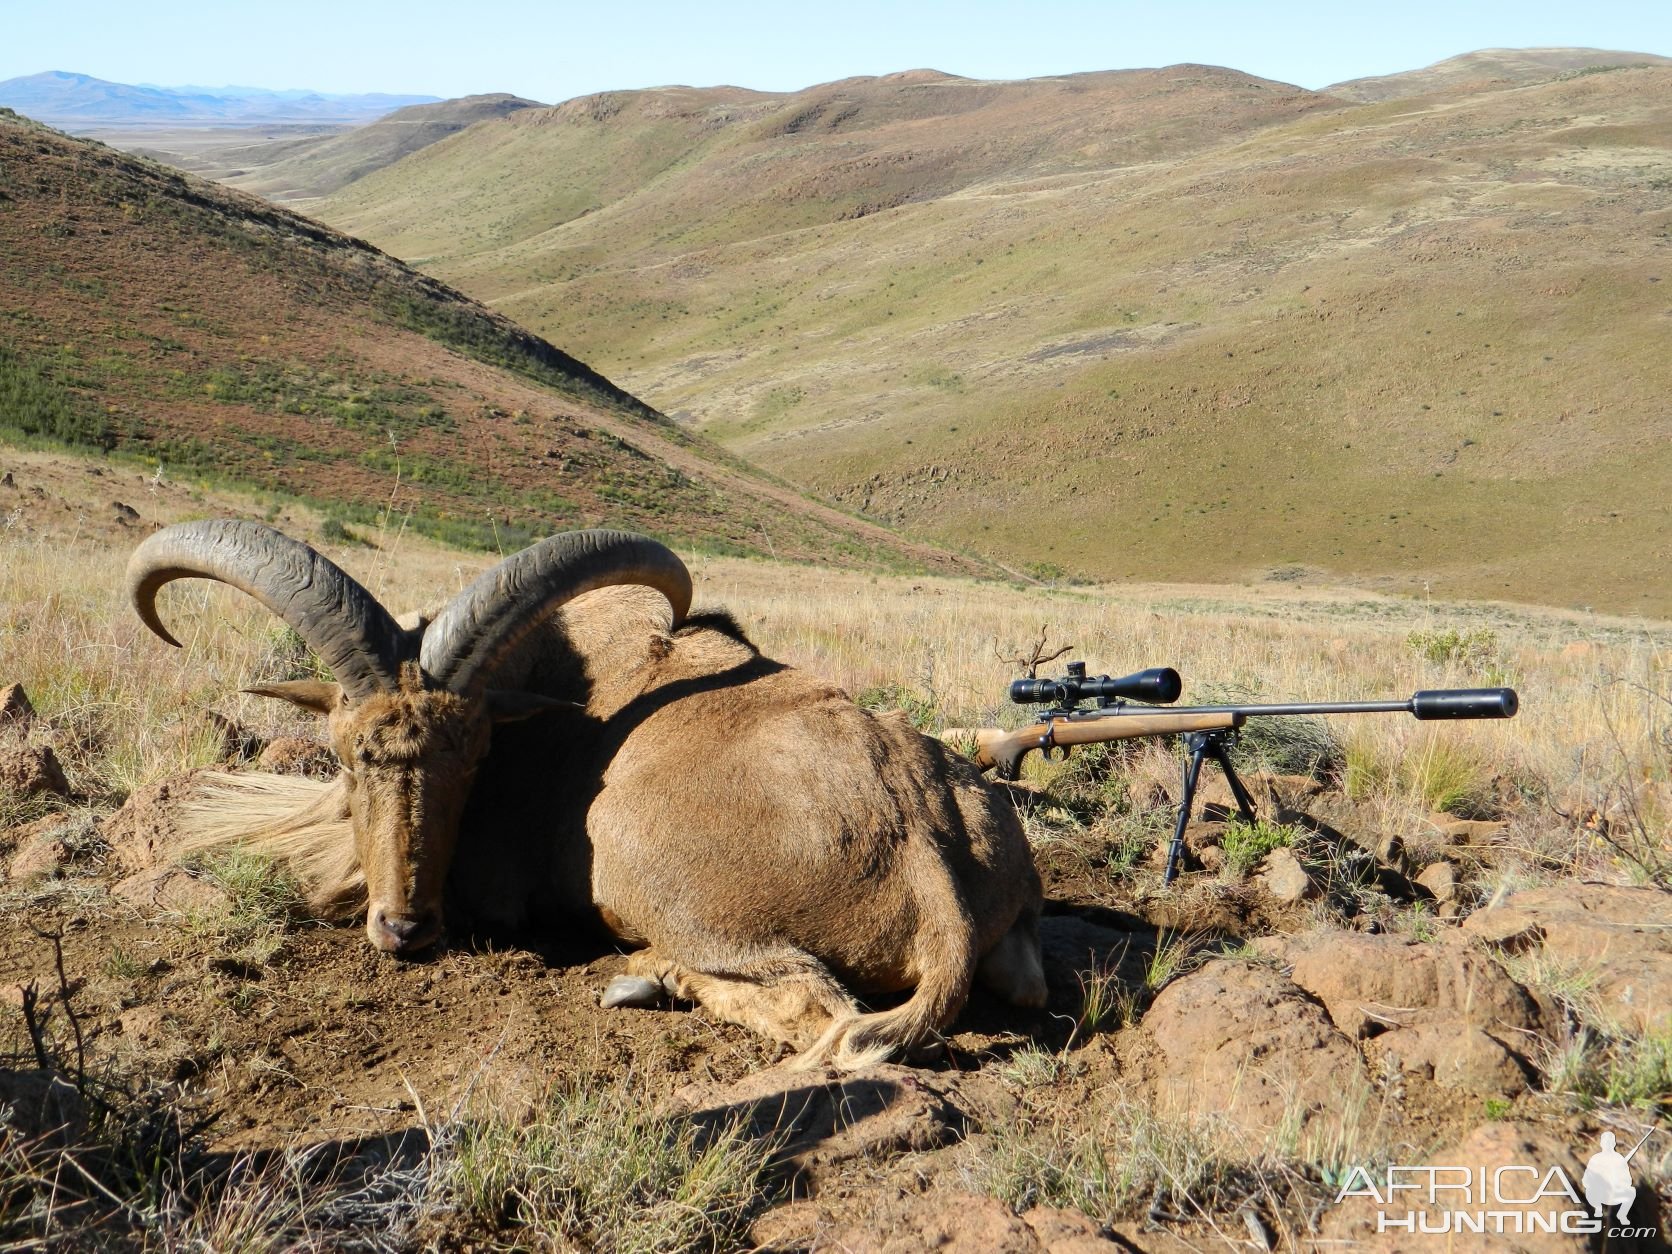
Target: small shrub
column 333, row 531
column 1594, row 1067
column 1448, row 777
column 1246, row 843
column 1365, row 771
column 1472, row 648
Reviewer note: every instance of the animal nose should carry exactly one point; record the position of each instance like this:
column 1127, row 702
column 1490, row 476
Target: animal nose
column 399, row 933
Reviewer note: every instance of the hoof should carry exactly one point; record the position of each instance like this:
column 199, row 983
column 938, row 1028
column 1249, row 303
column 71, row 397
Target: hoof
column 631, row 990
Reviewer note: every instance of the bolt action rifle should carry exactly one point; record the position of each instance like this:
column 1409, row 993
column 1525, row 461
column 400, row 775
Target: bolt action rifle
column 1126, row 708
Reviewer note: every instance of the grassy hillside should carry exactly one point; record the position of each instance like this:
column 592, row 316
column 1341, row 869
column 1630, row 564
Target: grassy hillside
column 205, row 333
column 316, row 168
column 1157, row 324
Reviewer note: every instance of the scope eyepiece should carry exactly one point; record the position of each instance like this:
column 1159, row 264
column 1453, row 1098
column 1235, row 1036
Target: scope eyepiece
column 1158, row 685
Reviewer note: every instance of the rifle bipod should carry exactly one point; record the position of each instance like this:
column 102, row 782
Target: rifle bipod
column 1203, row 745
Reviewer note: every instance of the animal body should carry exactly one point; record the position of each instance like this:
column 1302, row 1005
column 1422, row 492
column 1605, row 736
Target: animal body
column 562, row 743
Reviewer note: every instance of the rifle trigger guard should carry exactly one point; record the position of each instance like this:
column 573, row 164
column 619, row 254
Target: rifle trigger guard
column 1048, row 741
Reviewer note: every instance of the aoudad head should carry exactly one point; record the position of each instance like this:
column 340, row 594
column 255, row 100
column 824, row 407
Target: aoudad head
column 410, row 714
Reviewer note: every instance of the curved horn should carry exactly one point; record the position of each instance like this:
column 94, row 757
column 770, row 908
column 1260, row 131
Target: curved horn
column 340, row 620
column 497, row 611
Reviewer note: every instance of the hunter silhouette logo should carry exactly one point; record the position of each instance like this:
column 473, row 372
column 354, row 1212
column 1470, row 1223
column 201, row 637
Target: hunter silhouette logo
column 1607, row 1178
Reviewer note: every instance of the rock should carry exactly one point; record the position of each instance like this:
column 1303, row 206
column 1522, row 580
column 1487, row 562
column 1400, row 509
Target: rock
column 1353, row 1223
column 1243, row 1041
column 1066, row 1231
column 1615, row 937
column 28, row 772
column 1372, row 983
column 169, row 890
column 41, row 855
column 1506, row 926
column 825, row 1120
column 1455, row 1055
column 1285, row 879
column 16, row 710
column 1440, row 879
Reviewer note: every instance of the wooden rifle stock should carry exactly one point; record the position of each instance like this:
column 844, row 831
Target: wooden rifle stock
column 1006, row 749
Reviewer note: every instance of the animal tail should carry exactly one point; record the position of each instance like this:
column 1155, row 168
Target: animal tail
column 304, row 822
column 945, row 954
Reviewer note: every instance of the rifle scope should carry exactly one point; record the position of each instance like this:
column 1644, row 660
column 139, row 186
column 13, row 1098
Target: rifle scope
column 1158, row 685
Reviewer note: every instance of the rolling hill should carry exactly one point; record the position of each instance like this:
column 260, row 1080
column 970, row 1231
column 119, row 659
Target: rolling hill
column 168, row 319
column 1165, row 324
column 317, row 166
column 1491, row 68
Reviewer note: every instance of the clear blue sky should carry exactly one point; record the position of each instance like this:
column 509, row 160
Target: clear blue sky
column 552, row 49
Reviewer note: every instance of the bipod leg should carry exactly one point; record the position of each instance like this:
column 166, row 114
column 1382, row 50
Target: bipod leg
column 1192, row 772
column 1245, row 803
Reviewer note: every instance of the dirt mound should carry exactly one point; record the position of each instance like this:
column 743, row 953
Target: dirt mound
column 1242, row 1041
column 27, row 771
column 142, row 835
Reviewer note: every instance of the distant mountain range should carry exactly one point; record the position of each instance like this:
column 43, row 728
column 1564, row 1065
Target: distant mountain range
column 79, row 102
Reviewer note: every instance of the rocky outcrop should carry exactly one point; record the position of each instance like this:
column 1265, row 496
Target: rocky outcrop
column 1615, row 941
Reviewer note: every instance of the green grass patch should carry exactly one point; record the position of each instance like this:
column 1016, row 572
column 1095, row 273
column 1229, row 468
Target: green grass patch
column 35, row 401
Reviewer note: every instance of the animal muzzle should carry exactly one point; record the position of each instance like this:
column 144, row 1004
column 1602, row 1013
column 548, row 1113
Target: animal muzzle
column 402, row 933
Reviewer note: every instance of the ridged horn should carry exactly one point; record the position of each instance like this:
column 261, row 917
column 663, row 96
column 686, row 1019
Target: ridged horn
column 342, row 622
column 486, row 621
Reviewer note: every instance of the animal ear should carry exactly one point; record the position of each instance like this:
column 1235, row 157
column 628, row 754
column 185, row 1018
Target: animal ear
column 309, row 694
column 506, row 706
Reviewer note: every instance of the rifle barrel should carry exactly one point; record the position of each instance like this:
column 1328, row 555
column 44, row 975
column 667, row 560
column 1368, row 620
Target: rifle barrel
column 1432, row 703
